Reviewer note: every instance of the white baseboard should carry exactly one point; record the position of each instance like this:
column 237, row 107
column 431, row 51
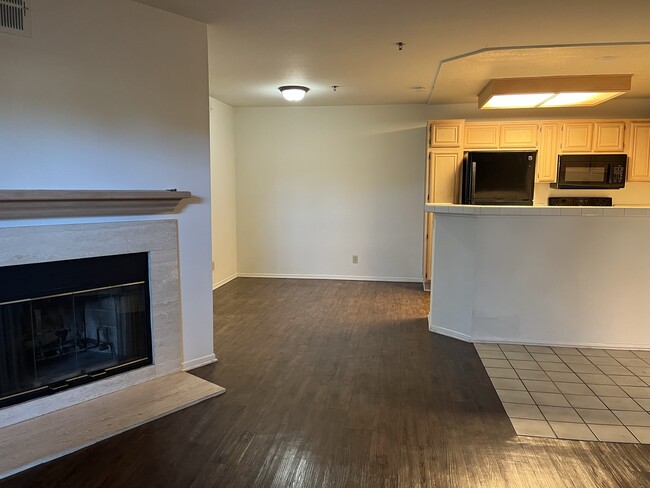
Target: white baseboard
column 331, row 277
column 224, row 281
column 448, row 332
column 198, row 362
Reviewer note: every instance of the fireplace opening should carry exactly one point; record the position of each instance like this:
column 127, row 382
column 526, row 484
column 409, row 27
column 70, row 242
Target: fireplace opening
column 66, row 323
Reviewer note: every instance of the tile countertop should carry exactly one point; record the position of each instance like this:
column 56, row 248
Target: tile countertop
column 541, row 210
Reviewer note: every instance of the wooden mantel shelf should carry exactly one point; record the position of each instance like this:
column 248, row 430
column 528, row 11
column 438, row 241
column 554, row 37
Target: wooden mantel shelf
column 21, row 204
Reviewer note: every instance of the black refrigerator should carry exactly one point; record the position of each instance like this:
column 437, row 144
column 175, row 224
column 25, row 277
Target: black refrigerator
column 498, row 177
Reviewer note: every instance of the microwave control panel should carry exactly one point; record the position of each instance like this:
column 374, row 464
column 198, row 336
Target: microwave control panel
column 618, row 173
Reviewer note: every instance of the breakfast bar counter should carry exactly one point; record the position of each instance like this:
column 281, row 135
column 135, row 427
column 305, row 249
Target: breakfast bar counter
column 575, row 276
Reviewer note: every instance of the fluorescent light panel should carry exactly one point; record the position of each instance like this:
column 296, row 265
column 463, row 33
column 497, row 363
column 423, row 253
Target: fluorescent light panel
column 580, row 99
column 524, row 100
column 553, row 91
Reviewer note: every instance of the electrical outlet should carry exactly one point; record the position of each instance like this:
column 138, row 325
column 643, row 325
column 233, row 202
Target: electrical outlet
column 355, row 259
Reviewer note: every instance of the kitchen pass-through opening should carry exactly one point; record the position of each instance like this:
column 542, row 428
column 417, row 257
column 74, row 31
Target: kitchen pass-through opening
column 67, row 323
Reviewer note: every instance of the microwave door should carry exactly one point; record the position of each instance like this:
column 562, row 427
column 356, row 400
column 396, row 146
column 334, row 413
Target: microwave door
column 585, row 175
column 585, row 171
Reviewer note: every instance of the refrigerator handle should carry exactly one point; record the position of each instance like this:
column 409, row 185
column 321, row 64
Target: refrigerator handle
column 472, row 183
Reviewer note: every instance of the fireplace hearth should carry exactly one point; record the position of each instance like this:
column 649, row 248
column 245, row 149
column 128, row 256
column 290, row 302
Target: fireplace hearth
column 71, row 322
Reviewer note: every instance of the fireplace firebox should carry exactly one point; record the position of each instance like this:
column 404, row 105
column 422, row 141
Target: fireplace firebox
column 66, row 323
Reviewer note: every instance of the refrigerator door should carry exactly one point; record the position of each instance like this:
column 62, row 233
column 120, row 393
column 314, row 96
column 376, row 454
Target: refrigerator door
column 500, row 178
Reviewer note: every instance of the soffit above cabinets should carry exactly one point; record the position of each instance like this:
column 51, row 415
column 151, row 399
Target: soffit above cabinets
column 257, row 45
column 460, row 79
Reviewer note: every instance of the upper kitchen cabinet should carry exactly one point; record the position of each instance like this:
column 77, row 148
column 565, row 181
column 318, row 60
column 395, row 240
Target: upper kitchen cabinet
column 445, row 133
column 504, row 135
column 518, row 136
column 481, row 136
column 596, row 136
column 577, row 136
column 639, row 155
column 609, row 136
column 547, row 154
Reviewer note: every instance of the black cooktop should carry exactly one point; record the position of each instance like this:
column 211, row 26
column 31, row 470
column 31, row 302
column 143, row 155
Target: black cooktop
column 580, row 201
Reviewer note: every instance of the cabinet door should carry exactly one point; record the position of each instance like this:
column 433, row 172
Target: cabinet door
column 609, row 136
column 481, row 136
column 444, row 173
column 577, row 137
column 547, row 153
column 428, row 220
column 639, row 156
column 426, row 260
column 518, row 136
column 445, row 133
column 441, row 187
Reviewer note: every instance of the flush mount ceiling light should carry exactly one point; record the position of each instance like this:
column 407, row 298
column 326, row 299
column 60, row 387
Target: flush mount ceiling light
column 293, row 93
column 553, row 91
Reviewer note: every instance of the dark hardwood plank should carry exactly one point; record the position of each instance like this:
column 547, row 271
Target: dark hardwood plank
column 339, row 384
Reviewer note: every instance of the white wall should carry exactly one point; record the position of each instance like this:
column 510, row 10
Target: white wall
column 111, row 94
column 224, row 204
column 316, row 185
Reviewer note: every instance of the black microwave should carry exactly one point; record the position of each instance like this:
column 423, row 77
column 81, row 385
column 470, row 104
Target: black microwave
column 591, row 171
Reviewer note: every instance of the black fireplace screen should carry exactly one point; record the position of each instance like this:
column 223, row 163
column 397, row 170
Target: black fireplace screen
column 79, row 321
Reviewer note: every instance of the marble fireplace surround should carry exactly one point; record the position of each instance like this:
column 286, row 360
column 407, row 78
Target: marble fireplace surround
column 159, row 238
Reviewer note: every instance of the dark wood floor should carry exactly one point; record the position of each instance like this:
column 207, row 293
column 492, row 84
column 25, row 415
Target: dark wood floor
column 339, row 384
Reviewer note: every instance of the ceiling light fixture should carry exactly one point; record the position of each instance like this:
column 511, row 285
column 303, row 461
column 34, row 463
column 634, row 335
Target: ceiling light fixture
column 293, row 93
column 553, row 91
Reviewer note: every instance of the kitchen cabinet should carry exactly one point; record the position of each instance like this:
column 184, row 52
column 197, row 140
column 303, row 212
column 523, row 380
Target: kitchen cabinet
column 639, row 155
column 445, row 133
column 609, row 136
column 598, row 136
column 426, row 262
column 500, row 136
column 443, row 175
column 481, row 136
column 577, row 137
column 547, row 153
column 518, row 136
column 428, row 220
column 441, row 183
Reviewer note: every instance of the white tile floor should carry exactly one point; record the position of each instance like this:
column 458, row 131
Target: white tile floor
column 569, row 393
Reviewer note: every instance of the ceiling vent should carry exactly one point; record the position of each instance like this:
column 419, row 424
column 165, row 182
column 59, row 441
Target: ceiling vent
column 15, row 18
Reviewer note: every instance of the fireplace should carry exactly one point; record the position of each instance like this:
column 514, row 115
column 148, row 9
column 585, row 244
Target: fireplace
column 43, row 244
column 70, row 322
column 141, row 259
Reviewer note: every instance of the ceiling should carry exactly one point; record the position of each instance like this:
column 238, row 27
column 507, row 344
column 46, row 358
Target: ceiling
column 257, row 45
column 461, row 79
